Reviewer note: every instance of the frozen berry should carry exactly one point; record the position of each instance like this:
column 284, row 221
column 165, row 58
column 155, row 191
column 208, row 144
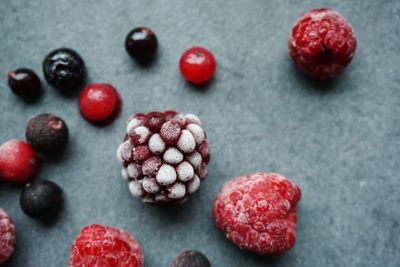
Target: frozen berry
column 258, row 212
column 164, row 156
column 191, row 258
column 322, row 43
column 141, row 43
column 46, row 133
column 197, row 65
column 64, row 69
column 18, row 161
column 98, row 102
column 105, row 246
column 41, row 199
column 24, row 82
column 7, row 236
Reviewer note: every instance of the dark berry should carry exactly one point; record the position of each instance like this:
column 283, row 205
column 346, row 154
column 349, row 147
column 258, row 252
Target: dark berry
column 197, row 65
column 98, row 102
column 18, row 161
column 41, row 199
column 191, row 258
column 64, row 69
column 141, row 43
column 24, row 82
column 46, row 133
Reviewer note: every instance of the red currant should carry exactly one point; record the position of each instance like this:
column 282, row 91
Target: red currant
column 197, row 65
column 18, row 161
column 98, row 102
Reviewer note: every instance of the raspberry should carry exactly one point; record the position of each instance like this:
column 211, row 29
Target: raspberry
column 18, row 161
column 164, row 156
column 197, row 65
column 258, row 212
column 105, row 246
column 7, row 236
column 322, row 43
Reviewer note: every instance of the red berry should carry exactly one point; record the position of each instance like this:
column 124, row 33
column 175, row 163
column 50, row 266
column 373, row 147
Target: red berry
column 18, row 161
column 197, row 65
column 98, row 102
column 105, row 246
column 7, row 236
column 258, row 212
column 322, row 43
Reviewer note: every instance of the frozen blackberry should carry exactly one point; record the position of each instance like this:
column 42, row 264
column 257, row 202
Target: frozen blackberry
column 41, row 199
column 164, row 156
column 46, row 133
column 191, row 258
column 64, row 69
column 24, row 82
column 141, row 43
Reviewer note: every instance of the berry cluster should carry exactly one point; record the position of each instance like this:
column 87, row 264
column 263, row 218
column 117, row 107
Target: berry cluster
column 164, row 156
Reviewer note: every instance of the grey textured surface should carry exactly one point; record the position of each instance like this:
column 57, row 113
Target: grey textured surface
column 339, row 141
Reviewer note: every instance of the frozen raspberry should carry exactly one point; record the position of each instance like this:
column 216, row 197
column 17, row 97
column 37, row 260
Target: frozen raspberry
column 322, row 43
column 18, row 161
column 197, row 65
column 105, row 246
column 258, row 212
column 164, row 156
column 7, row 236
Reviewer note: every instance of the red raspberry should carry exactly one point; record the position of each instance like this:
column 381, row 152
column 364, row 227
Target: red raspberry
column 322, row 43
column 7, row 236
column 164, row 156
column 99, row 102
column 197, row 65
column 105, row 246
column 258, row 212
column 18, row 161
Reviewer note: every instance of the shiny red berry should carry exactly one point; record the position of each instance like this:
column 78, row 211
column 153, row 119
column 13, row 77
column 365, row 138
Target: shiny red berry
column 18, row 161
column 98, row 102
column 197, row 65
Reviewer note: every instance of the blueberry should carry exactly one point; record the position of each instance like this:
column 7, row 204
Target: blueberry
column 24, row 82
column 41, row 199
column 191, row 258
column 64, row 69
column 141, row 44
column 47, row 133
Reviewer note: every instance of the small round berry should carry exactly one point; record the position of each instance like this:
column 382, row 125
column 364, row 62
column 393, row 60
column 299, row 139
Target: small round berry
column 98, row 102
column 41, row 199
column 197, row 65
column 259, row 212
column 7, row 236
column 105, row 246
column 24, row 82
column 46, row 133
column 18, row 161
column 322, row 43
column 141, row 43
column 191, row 258
column 64, row 69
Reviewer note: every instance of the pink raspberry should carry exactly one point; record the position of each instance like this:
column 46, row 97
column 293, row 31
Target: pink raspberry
column 7, row 236
column 164, row 156
column 105, row 246
column 258, row 212
column 322, row 43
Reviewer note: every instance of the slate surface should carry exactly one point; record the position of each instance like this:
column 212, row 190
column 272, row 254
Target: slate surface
column 339, row 141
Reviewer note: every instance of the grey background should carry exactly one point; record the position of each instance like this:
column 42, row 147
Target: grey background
column 338, row 140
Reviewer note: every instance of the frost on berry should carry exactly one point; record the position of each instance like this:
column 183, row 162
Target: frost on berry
column 164, row 156
column 7, row 236
column 258, row 212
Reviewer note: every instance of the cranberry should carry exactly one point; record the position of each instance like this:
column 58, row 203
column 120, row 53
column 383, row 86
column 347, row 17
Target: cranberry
column 197, row 65
column 18, row 161
column 98, row 102
column 24, row 82
column 141, row 43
